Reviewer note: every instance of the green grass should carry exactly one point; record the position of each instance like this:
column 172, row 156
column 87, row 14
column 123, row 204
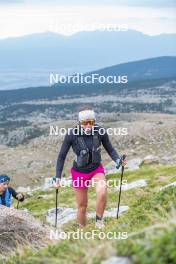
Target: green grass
column 149, row 223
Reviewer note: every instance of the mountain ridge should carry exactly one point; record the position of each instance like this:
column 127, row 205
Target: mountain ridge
column 89, row 50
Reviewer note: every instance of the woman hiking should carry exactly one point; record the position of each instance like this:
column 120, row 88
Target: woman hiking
column 86, row 140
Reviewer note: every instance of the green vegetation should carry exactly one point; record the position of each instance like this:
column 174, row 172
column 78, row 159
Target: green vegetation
column 150, row 223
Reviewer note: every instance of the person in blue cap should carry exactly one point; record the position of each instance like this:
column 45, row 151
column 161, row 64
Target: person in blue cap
column 6, row 192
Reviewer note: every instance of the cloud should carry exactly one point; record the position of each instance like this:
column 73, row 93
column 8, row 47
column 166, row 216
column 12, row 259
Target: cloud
column 144, row 3
column 11, row 1
column 7, row 2
column 66, row 20
column 40, row 16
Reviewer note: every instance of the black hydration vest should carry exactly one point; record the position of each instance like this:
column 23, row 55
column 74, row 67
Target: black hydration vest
column 84, row 155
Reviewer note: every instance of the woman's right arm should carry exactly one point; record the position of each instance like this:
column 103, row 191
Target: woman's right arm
column 62, row 155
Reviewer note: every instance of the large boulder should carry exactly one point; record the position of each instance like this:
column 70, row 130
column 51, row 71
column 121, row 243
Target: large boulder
column 18, row 229
column 132, row 165
column 150, row 159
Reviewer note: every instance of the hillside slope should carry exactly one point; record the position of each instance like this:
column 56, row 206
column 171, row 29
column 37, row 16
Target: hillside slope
column 149, row 223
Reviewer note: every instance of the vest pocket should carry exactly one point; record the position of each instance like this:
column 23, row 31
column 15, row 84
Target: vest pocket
column 82, row 158
column 96, row 156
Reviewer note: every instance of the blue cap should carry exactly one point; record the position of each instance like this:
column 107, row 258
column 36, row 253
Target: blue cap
column 4, row 178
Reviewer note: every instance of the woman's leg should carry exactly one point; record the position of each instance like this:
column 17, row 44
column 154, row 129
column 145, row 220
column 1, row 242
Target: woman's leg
column 82, row 200
column 99, row 181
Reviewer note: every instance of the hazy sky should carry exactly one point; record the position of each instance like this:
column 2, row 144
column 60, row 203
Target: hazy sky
column 21, row 17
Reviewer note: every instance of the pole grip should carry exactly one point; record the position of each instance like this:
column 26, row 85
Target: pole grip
column 123, row 157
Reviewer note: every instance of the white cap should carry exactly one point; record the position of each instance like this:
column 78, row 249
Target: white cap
column 86, row 115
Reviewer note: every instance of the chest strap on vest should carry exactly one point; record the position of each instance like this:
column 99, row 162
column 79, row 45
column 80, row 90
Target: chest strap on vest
column 82, row 144
column 96, row 142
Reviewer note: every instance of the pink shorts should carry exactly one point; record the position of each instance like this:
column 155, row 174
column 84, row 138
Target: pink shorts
column 81, row 180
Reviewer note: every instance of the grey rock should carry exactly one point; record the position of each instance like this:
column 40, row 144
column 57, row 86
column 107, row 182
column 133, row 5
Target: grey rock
column 117, row 260
column 24, row 189
column 168, row 185
column 135, row 184
column 132, row 165
column 67, row 214
column 151, row 159
column 19, row 228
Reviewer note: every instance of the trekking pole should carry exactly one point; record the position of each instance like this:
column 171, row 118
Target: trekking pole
column 17, row 205
column 56, row 208
column 123, row 158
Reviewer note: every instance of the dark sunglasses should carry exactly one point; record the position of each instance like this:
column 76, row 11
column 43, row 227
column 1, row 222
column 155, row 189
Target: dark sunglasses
column 86, row 122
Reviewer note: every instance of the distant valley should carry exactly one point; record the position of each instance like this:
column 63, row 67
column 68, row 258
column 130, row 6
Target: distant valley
column 26, row 113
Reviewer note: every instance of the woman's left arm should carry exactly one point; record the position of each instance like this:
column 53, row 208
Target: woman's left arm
column 109, row 148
